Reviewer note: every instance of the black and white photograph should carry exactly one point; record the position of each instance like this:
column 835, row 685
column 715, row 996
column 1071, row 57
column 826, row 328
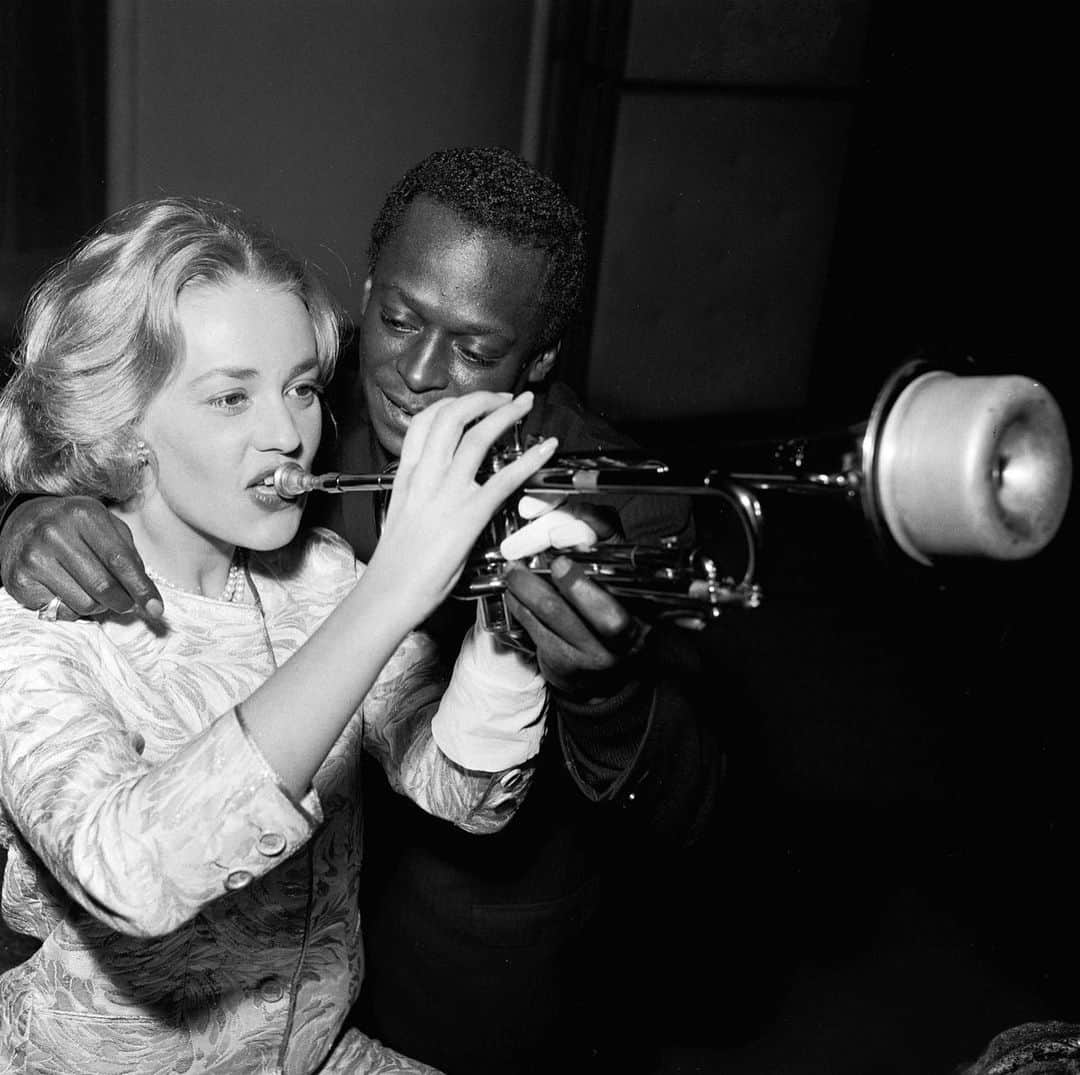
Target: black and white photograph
column 537, row 538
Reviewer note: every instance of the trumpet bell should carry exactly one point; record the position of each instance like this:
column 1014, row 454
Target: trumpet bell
column 967, row 466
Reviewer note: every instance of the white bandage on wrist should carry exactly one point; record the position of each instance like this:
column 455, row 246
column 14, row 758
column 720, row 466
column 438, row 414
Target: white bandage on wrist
column 492, row 714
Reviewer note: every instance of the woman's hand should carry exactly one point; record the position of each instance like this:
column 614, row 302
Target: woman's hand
column 436, row 513
column 438, row 509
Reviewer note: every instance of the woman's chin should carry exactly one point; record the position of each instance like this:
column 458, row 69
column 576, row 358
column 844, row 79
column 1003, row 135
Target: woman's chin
column 272, row 533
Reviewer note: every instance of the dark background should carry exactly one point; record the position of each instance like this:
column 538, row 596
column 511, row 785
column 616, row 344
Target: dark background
column 787, row 200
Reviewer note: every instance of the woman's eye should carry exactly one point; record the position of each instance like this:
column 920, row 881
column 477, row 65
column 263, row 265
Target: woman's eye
column 307, row 392
column 231, row 401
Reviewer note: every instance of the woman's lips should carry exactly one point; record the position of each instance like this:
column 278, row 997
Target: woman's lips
column 266, row 497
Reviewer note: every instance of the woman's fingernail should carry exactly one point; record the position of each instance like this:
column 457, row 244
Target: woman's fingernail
column 154, row 609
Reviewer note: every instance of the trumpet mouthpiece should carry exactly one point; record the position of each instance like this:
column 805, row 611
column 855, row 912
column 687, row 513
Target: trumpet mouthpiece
column 292, row 481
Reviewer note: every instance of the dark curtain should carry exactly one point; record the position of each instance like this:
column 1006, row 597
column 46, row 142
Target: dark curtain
column 52, row 140
column 52, row 67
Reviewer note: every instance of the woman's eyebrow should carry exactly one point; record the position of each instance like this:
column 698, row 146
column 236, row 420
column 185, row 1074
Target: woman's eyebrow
column 240, row 373
column 303, row 366
column 247, row 373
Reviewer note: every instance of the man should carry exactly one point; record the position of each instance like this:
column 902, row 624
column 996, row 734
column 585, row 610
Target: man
column 519, row 952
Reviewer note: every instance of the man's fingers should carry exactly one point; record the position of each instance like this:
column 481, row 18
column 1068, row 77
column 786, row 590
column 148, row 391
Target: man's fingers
column 75, row 549
column 29, row 593
column 88, row 584
column 605, row 615
column 130, row 573
column 603, row 519
column 75, row 602
column 101, row 572
column 551, row 648
column 538, row 601
column 583, row 636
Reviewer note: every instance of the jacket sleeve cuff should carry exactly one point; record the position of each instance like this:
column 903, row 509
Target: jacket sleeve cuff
column 604, row 742
column 256, row 822
column 214, row 818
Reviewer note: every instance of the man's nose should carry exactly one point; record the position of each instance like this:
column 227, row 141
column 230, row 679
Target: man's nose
column 276, row 430
column 425, row 366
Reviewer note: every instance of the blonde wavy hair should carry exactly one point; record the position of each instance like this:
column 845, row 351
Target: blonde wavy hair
column 100, row 338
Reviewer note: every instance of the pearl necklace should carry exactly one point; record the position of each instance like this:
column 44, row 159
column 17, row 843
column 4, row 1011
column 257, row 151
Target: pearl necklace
column 234, row 581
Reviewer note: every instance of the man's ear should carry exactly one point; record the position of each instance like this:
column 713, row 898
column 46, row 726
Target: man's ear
column 539, row 367
column 366, row 297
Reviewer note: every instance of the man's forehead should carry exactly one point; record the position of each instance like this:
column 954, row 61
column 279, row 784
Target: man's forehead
column 435, row 261
column 432, row 227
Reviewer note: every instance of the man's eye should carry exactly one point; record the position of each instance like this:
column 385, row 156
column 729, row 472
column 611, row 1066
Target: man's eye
column 478, row 359
column 396, row 323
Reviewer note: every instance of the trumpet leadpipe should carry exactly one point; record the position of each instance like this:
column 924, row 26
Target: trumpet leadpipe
column 291, row 481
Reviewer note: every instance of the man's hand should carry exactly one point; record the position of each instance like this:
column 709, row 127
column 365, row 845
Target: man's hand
column 584, row 637
column 73, row 548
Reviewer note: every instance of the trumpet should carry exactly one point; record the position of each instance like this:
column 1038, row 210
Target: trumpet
column 947, row 465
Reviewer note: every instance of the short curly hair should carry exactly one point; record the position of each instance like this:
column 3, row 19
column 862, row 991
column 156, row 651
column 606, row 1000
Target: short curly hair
column 495, row 190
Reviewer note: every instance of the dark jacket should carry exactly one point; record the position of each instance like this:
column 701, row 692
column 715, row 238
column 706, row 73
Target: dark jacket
column 518, row 952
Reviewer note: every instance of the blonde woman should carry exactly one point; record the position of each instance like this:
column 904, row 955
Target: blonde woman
column 180, row 796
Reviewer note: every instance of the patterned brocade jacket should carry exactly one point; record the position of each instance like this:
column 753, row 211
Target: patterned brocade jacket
column 193, row 916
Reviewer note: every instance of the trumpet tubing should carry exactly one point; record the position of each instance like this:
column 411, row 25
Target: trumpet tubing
column 947, row 465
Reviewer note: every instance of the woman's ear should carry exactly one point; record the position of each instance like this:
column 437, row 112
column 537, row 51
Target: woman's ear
column 366, row 297
column 538, row 368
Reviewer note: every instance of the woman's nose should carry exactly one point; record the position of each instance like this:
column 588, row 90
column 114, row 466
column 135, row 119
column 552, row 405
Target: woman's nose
column 424, row 367
column 276, row 430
